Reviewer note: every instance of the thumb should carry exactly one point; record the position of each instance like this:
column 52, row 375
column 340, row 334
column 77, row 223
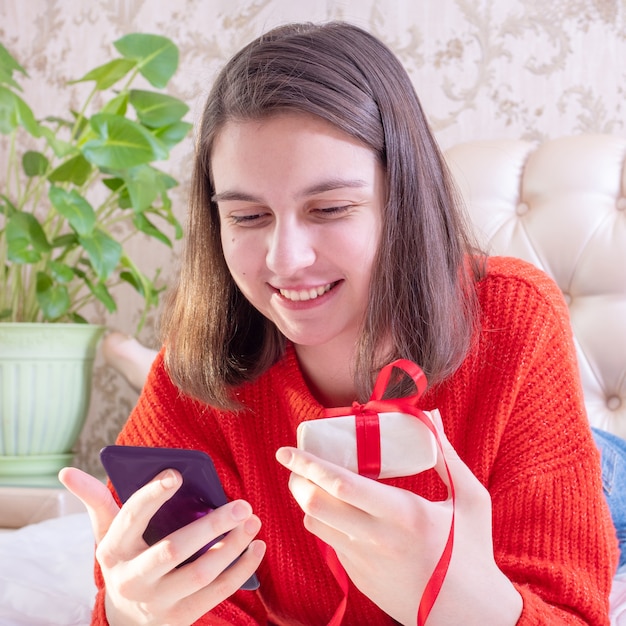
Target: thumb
column 457, row 471
column 101, row 506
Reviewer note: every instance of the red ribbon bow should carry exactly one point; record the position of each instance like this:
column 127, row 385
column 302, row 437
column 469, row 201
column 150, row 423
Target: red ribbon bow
column 369, row 464
column 366, row 415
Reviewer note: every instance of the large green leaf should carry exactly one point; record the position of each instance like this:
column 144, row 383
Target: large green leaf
column 143, row 184
column 119, row 186
column 75, row 170
column 61, row 272
column 6, row 206
column 173, row 134
column 100, row 291
column 53, row 299
column 26, row 118
column 8, row 65
column 117, row 105
column 34, row 163
column 26, row 240
column 139, row 281
column 157, row 109
column 121, row 143
column 67, row 240
column 8, row 117
column 107, row 75
column 143, row 286
column 103, row 251
column 73, row 207
column 157, row 56
column 15, row 112
column 143, row 224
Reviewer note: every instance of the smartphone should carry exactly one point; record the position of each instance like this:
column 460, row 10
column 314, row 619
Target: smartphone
column 131, row 467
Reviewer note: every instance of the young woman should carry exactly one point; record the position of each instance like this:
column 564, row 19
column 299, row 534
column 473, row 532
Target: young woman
column 324, row 241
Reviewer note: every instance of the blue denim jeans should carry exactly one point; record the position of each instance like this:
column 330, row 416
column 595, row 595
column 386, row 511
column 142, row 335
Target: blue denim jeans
column 613, row 451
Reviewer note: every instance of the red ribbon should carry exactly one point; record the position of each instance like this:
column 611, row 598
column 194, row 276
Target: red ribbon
column 369, row 464
column 367, row 427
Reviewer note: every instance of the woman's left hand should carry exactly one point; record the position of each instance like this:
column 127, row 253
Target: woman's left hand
column 389, row 540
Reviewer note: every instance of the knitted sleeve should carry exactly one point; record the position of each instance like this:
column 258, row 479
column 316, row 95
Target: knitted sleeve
column 164, row 417
column 553, row 536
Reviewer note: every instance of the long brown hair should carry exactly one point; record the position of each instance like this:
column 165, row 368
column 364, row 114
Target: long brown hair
column 422, row 294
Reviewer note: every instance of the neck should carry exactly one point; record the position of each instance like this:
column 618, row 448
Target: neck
column 329, row 373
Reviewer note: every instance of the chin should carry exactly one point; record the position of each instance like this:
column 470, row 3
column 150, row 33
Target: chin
column 307, row 339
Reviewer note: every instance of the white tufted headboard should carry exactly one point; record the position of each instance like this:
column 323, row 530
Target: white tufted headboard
column 562, row 206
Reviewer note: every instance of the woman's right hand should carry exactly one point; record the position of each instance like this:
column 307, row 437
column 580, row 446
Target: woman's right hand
column 143, row 585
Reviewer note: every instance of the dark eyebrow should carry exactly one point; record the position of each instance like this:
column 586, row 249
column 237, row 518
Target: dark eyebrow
column 233, row 195
column 321, row 187
column 332, row 184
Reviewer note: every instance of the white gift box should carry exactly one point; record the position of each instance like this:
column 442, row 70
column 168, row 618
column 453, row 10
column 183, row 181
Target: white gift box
column 407, row 446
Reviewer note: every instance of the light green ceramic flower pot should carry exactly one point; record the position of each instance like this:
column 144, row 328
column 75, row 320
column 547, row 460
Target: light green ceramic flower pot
column 45, row 386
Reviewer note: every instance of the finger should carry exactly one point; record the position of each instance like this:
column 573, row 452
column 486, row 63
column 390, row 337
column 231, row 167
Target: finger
column 362, row 493
column 221, row 557
column 193, row 606
column 125, row 536
column 98, row 500
column 322, row 509
column 165, row 555
column 467, row 487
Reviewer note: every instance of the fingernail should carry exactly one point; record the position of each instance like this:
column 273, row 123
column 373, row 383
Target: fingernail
column 240, row 511
column 168, row 480
column 252, row 526
column 257, row 547
column 284, row 456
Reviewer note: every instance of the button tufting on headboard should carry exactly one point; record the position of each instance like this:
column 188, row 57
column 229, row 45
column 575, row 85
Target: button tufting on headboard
column 553, row 204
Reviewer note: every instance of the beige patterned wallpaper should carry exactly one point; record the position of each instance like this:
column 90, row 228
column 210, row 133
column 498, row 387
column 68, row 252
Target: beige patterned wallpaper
column 483, row 68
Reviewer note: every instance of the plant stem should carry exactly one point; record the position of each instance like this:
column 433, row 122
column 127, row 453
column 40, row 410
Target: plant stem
column 81, row 116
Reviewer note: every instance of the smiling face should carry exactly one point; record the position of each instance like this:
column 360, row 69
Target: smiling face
column 300, row 205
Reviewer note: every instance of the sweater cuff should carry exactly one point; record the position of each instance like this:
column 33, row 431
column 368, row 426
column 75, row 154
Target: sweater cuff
column 98, row 616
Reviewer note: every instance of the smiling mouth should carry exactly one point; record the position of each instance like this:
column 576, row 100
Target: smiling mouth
column 301, row 295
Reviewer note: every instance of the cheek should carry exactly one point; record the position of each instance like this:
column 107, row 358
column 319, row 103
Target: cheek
column 240, row 255
column 229, row 246
column 370, row 243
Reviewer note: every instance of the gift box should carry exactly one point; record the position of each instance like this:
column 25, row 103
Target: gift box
column 407, row 446
column 384, row 438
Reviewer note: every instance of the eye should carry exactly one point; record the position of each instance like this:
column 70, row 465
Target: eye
column 334, row 211
column 248, row 219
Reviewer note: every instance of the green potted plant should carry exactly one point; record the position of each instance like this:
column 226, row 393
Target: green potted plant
column 75, row 189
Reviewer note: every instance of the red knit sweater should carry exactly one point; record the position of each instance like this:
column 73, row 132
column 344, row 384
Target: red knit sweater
column 513, row 411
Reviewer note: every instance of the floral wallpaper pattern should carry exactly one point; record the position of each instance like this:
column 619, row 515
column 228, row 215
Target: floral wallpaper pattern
column 483, row 69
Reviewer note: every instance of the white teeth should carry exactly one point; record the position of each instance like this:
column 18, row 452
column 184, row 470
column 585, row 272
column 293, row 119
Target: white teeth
column 305, row 294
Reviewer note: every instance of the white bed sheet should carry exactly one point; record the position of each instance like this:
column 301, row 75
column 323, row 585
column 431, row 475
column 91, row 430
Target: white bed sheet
column 46, row 573
column 618, row 598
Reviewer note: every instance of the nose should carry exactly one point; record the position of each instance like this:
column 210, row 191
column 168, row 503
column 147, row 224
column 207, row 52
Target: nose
column 290, row 248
